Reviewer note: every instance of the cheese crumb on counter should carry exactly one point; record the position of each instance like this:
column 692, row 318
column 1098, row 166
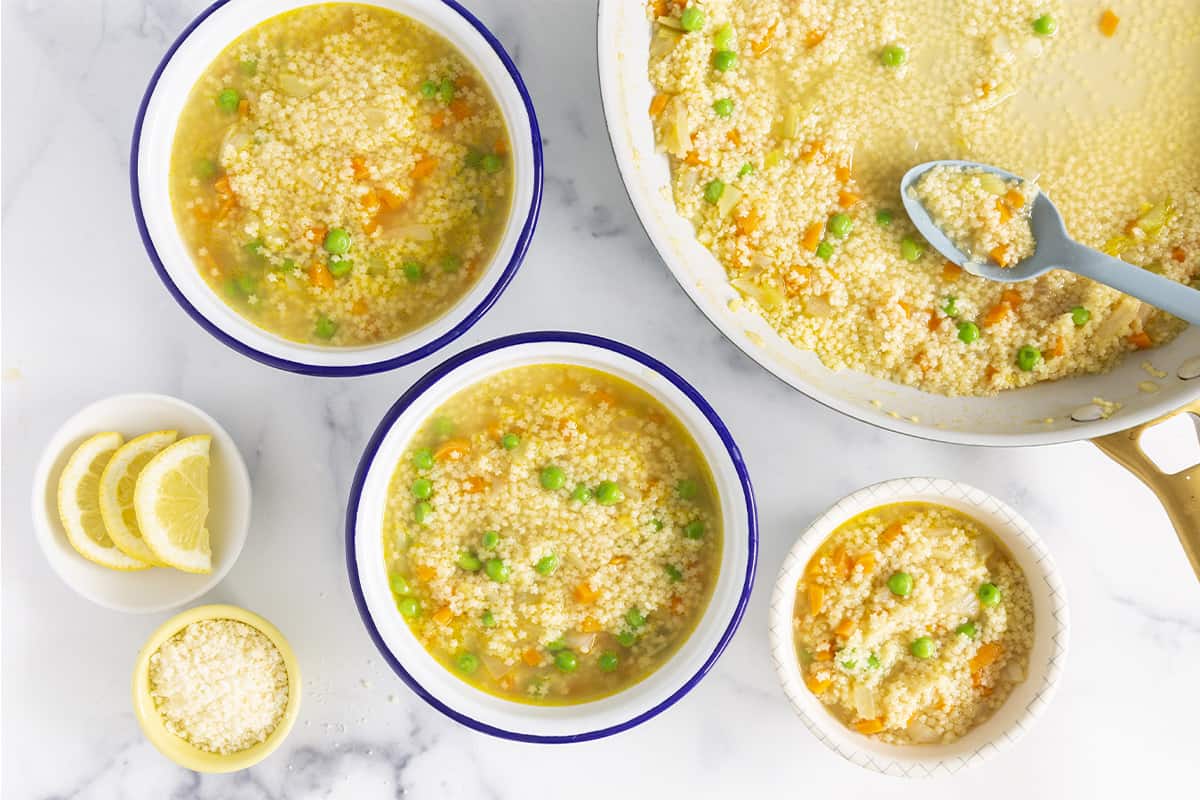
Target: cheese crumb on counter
column 220, row 685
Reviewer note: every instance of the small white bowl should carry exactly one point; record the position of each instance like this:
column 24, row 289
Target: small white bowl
column 154, row 133
column 1024, row 705
column 160, row 588
column 521, row 721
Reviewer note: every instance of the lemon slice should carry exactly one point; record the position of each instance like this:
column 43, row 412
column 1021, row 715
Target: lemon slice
column 79, row 503
column 116, row 492
column 171, row 503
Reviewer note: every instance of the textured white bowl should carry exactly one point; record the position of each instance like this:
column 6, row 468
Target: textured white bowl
column 520, row 721
column 160, row 588
column 154, row 133
column 1024, row 705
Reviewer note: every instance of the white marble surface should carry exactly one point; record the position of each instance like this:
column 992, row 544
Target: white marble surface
column 84, row 316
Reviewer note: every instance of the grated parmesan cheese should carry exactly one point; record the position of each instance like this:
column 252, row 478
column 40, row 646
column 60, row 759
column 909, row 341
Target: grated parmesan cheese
column 220, row 685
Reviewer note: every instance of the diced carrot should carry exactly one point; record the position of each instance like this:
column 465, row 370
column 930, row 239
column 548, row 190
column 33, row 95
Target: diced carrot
column 316, row 234
column 604, row 397
column 845, row 627
column 660, row 8
column 1004, row 211
column 507, row 682
column 951, row 271
column 424, row 168
column 1060, row 347
column 811, row 150
column 869, row 726
column 1109, row 22
column 438, row 119
column 846, row 198
column 735, row 137
column 1012, row 297
column 747, row 223
column 996, row 313
column 866, row 561
column 692, row 159
column 659, row 103
column 390, row 199
column 841, row 562
column 812, row 236
column 824, row 654
column 243, row 108
column 676, row 605
column 371, row 225
column 984, row 657
column 990, row 373
column 842, row 173
column 589, row 625
column 1014, row 199
column 1179, row 254
column 473, row 484
column 531, row 657
column 359, row 165
column 618, row 560
column 222, row 188
column 320, row 276
column 816, row 599
column 999, row 254
column 226, row 208
column 814, row 38
column 763, row 43
column 463, row 81
column 935, row 322
column 985, row 89
column 453, row 449
column 815, row 685
column 908, row 308
column 443, row 616
column 425, row 573
column 500, row 148
column 584, row 593
column 460, row 108
column 359, row 307
column 891, row 533
column 1140, row 340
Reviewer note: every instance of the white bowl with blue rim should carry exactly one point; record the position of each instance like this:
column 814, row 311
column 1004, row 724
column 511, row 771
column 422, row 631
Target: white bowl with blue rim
column 154, row 133
column 488, row 713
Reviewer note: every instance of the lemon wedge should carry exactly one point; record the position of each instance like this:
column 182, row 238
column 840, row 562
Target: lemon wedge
column 79, row 503
column 116, row 492
column 170, row 500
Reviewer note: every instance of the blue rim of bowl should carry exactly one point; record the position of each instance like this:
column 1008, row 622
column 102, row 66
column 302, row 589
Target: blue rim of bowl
column 349, row 370
column 431, row 379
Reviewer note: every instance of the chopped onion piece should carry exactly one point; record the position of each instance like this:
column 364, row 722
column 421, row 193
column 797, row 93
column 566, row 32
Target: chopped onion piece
column 767, row 297
column 729, row 199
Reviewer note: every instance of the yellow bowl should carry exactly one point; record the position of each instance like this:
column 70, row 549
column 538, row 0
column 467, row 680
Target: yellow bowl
column 180, row 751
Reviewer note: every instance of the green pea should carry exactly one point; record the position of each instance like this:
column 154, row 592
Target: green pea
column 337, row 241
column 469, row 561
column 228, row 100
column 951, row 307
column 443, row 426
column 248, row 66
column 840, row 225
column 510, row 441
column 474, row 158
column 694, row 529
column 723, row 38
column 413, row 271
column 497, row 570
column 824, row 251
column 552, row 477
column 849, row 664
column 692, row 19
column 488, row 619
column 429, row 89
column 657, row 524
column 883, row 217
column 723, row 107
column 713, row 191
column 635, row 618
column 451, row 263
column 490, row 539
column 627, row 638
column 556, row 645
column 287, row 265
column 1028, row 357
column 205, row 168
column 989, row 594
column 967, row 629
column 1080, row 316
column 421, row 512
column 340, row 267
column 673, row 573
column 967, row 332
column 546, row 564
column 566, row 661
column 492, row 163
column 873, row 661
column 893, row 55
column 445, row 90
column 911, row 249
column 608, row 662
column 747, row 169
column 468, row 663
column 687, row 489
column 724, row 60
column 608, row 493
column 399, row 584
column 922, row 647
column 254, row 247
column 582, row 494
column 1045, row 25
column 900, row 584
column 325, row 328
column 422, row 488
column 246, row 284
column 409, row 606
column 423, row 458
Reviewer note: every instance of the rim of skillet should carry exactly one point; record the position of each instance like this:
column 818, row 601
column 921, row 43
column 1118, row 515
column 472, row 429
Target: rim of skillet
column 429, row 381
column 422, row 350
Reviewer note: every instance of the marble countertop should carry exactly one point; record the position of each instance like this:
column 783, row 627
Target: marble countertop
column 1123, row 723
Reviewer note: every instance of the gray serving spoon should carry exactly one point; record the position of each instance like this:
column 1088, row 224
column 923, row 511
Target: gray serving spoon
column 1055, row 249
